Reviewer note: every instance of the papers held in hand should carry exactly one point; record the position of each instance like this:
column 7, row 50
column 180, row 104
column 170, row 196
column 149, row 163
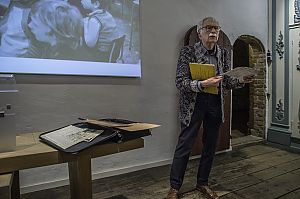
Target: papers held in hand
column 241, row 72
column 203, row 72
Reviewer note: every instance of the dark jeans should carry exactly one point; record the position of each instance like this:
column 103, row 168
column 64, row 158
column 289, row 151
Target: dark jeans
column 208, row 110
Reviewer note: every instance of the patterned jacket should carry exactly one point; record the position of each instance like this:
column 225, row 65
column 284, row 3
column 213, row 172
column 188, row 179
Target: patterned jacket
column 189, row 88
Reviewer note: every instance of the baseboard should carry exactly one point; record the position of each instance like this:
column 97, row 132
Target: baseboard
column 43, row 186
column 130, row 169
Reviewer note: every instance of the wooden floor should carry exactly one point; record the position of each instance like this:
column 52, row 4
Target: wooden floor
column 252, row 171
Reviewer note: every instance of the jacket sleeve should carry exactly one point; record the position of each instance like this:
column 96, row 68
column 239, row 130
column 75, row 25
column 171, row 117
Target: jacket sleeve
column 229, row 82
column 183, row 79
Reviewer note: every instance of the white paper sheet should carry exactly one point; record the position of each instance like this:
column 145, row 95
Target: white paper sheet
column 71, row 135
column 241, row 72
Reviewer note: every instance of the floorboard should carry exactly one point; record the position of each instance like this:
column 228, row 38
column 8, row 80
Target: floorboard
column 291, row 195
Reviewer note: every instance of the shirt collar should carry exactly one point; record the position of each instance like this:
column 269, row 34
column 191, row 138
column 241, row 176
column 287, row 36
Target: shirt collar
column 205, row 51
column 201, row 52
column 98, row 11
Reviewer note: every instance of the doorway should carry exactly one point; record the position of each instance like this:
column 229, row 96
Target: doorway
column 191, row 37
column 240, row 97
column 249, row 103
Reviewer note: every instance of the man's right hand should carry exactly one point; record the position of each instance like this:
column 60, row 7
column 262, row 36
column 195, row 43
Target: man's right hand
column 212, row 82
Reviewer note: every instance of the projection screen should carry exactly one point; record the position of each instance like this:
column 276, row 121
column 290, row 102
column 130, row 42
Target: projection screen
column 70, row 37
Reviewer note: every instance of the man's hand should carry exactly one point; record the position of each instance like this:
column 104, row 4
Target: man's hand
column 212, row 82
column 247, row 79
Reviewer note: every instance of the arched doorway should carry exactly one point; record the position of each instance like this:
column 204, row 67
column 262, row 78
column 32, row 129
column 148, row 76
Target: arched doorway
column 249, row 103
column 240, row 97
column 191, row 37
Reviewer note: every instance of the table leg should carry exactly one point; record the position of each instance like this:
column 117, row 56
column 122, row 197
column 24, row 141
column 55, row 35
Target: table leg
column 15, row 186
column 80, row 178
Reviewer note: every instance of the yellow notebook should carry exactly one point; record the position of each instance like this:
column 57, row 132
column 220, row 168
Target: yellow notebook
column 203, row 72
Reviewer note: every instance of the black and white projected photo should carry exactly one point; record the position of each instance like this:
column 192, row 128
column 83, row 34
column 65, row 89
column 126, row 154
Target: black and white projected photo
column 71, row 37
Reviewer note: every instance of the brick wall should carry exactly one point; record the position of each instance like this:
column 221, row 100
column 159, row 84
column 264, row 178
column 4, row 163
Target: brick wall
column 257, row 120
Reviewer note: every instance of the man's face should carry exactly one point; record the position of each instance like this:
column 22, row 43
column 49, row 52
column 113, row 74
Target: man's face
column 209, row 33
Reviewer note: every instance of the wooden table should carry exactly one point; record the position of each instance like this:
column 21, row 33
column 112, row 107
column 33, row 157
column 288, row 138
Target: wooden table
column 31, row 153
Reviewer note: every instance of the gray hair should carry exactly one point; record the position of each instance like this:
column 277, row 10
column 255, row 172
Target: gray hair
column 200, row 24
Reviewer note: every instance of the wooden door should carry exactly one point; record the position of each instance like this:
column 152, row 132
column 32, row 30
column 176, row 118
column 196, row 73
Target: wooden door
column 191, row 38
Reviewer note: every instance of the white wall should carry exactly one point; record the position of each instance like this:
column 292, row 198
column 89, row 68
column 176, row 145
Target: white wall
column 48, row 102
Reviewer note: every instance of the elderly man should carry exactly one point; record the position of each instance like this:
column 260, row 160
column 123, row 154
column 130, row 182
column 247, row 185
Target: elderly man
column 197, row 106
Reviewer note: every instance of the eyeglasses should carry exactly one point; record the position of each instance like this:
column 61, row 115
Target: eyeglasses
column 210, row 28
